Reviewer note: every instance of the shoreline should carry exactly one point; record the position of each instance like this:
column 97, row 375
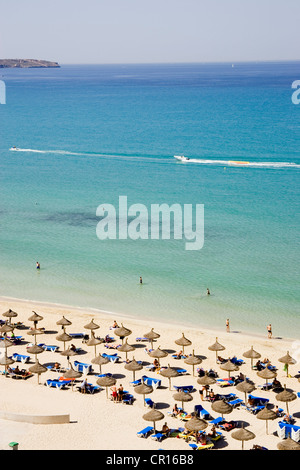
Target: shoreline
column 166, row 322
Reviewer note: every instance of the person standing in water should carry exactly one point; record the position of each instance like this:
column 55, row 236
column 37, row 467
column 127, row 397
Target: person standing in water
column 141, row 280
column 227, row 325
column 207, row 291
column 38, row 266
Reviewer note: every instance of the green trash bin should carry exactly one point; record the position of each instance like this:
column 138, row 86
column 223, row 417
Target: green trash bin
column 13, row 445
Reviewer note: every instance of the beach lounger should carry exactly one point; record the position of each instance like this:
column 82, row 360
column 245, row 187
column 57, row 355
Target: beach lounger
column 259, row 400
column 185, row 388
column 236, row 402
column 155, row 383
column 127, row 398
column 58, row 384
column 227, row 397
column 201, row 412
column 20, row 358
column 181, row 371
column 82, row 367
column 157, row 437
column 228, row 425
column 48, row 347
column 217, row 421
column 174, row 356
column 145, row 432
column 201, row 447
column 77, row 335
column 149, row 402
column 295, row 434
column 112, row 357
column 140, row 338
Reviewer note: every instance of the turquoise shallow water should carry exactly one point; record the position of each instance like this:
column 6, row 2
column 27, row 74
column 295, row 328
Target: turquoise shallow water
column 89, row 134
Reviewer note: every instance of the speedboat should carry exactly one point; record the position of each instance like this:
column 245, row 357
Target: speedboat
column 14, row 148
column 181, row 158
column 232, row 162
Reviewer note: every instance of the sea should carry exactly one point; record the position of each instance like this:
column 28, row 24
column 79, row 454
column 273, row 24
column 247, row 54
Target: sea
column 89, row 134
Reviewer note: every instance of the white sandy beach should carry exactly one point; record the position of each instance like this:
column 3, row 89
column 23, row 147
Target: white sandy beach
column 97, row 422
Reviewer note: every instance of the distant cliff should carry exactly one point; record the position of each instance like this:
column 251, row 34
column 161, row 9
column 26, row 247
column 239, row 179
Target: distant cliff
column 26, row 63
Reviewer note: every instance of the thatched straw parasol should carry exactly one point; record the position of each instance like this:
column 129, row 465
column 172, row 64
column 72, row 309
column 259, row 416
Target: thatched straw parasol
column 153, row 415
column 35, row 317
column 133, row 366
column 252, row 354
column 6, row 328
column 64, row 322
column 91, row 326
column 183, row 397
column 6, row 343
column 72, row 374
column 288, row 444
column 143, row 389
column 183, row 341
column 245, row 387
column 126, row 348
column 216, row 347
column 68, row 353
column 222, row 407
column 38, row 369
column 35, row 349
column 122, row 332
column 64, row 337
column 206, row 380
column 10, row 314
column 6, row 361
column 35, row 332
column 267, row 374
column 100, row 361
column 94, row 342
column 286, row 396
column 287, row 360
column 106, row 382
column 152, row 335
column 169, row 372
column 196, row 424
column 266, row 414
column 158, row 353
column 229, row 366
column 243, row 435
column 193, row 361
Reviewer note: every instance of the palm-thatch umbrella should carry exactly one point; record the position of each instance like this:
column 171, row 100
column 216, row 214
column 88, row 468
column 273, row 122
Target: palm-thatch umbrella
column 216, row 347
column 183, row 397
column 64, row 322
column 72, row 374
column 183, row 341
column 153, row 415
column 266, row 414
column 143, row 389
column 245, row 387
column 94, row 341
column 92, row 326
column 35, row 318
column 68, row 353
column 229, row 366
column 158, row 353
column 126, row 348
column 38, row 369
column 64, row 337
column 288, row 444
column 286, row 396
column 206, row 380
column 267, row 374
column 6, row 343
column 35, row 349
column 243, row 434
column 106, row 382
column 6, row 361
column 196, row 424
column 100, row 361
column 10, row 314
column 252, row 354
column 6, row 329
column 151, row 335
column 169, row 372
column 133, row 366
column 222, row 407
column 193, row 360
column 122, row 332
column 35, row 332
column 287, row 360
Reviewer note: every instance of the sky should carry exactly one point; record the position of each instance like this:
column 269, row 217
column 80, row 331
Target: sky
column 150, row 31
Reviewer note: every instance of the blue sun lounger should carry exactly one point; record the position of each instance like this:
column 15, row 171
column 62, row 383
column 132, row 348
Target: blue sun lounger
column 112, row 357
column 201, row 412
column 185, row 388
column 47, row 347
column 82, row 367
column 57, row 383
column 145, row 432
column 155, row 383
column 20, row 358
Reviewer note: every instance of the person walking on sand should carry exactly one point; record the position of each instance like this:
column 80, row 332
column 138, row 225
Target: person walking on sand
column 227, row 325
column 269, row 328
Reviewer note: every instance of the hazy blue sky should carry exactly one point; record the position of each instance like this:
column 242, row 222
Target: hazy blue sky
column 122, row 31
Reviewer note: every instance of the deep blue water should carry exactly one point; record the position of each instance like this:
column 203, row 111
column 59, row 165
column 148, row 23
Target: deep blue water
column 89, row 134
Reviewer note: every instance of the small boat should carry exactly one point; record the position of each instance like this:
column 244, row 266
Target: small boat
column 14, row 148
column 232, row 162
column 181, row 158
